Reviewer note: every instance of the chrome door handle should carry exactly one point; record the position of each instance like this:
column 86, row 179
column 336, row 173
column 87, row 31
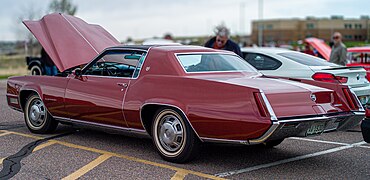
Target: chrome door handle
column 122, row 85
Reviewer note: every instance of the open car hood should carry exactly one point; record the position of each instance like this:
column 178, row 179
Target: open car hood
column 320, row 46
column 70, row 41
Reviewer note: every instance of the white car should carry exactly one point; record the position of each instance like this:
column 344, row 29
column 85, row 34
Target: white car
column 293, row 64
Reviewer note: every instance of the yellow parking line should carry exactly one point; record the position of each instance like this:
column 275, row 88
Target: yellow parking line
column 5, row 133
column 179, row 175
column 25, row 135
column 36, row 148
column 124, row 157
column 88, row 167
column 43, row 145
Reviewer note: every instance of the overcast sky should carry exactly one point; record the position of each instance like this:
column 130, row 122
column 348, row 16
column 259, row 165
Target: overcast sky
column 141, row 19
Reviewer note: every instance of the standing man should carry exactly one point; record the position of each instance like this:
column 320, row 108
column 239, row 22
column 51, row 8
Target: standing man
column 222, row 41
column 338, row 53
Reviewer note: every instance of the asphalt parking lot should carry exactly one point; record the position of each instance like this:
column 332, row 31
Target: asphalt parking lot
column 87, row 154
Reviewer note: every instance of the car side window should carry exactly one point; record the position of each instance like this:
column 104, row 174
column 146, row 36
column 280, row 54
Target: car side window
column 262, row 62
column 115, row 64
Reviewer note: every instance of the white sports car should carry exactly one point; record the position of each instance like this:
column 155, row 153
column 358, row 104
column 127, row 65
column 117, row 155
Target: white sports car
column 293, row 64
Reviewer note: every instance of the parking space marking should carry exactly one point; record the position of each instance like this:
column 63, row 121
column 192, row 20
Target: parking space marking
column 365, row 147
column 306, row 156
column 320, row 141
column 43, row 145
column 88, row 167
column 179, row 175
column 200, row 174
column 5, row 133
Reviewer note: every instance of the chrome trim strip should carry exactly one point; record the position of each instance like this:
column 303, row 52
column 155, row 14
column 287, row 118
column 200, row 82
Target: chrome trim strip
column 259, row 140
column 359, row 112
column 269, row 107
column 133, row 130
column 226, row 141
column 267, row 134
column 200, row 138
column 361, row 108
column 306, row 119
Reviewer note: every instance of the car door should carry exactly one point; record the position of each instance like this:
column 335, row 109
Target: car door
column 97, row 95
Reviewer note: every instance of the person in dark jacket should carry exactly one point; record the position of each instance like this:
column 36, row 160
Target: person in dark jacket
column 222, row 41
column 49, row 66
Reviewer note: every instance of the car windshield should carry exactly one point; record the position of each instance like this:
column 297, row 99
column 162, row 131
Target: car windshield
column 306, row 59
column 213, row 63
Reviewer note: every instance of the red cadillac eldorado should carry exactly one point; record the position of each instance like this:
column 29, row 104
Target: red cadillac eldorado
column 178, row 95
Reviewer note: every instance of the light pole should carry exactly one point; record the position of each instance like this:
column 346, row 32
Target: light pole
column 260, row 24
column 242, row 12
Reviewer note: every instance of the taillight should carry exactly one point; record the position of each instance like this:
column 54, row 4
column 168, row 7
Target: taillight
column 260, row 104
column 328, row 77
column 350, row 99
column 324, row 97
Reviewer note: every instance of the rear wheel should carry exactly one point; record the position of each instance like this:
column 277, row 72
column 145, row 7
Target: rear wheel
column 173, row 136
column 272, row 143
column 38, row 119
column 36, row 70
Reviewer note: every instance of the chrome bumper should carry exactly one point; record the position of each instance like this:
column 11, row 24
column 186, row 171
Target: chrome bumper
column 298, row 127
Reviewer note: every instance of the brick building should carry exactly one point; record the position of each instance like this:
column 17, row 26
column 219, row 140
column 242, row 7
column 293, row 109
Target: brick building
column 285, row 31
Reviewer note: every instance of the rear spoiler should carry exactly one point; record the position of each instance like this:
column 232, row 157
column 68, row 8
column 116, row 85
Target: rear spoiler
column 345, row 67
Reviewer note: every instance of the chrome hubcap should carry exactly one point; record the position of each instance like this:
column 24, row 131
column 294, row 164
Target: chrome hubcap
column 37, row 113
column 171, row 133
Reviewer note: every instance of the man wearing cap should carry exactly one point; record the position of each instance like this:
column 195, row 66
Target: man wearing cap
column 222, row 41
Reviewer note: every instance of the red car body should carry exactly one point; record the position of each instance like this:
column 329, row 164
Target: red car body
column 229, row 107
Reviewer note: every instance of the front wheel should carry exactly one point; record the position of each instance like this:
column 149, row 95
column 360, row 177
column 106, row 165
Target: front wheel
column 173, row 136
column 38, row 119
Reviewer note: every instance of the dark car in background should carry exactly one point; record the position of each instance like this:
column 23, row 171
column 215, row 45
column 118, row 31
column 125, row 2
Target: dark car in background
column 35, row 65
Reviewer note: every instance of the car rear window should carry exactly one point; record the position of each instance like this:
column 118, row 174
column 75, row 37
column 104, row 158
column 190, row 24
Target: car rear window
column 213, row 63
column 306, row 59
column 262, row 62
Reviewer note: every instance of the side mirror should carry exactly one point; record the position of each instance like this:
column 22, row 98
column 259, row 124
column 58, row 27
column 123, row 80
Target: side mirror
column 77, row 72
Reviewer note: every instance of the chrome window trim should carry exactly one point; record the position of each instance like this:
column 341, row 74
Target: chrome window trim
column 186, row 118
column 223, row 53
column 118, row 49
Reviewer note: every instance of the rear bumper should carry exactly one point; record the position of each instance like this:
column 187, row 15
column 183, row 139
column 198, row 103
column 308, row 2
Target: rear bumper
column 298, row 127
column 365, row 128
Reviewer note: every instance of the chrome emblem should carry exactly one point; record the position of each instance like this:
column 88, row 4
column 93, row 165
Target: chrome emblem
column 358, row 77
column 313, row 97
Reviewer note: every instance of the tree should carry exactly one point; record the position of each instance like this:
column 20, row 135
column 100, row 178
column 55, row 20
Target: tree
column 27, row 12
column 63, row 6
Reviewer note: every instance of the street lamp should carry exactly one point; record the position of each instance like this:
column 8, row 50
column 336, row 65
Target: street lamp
column 260, row 24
